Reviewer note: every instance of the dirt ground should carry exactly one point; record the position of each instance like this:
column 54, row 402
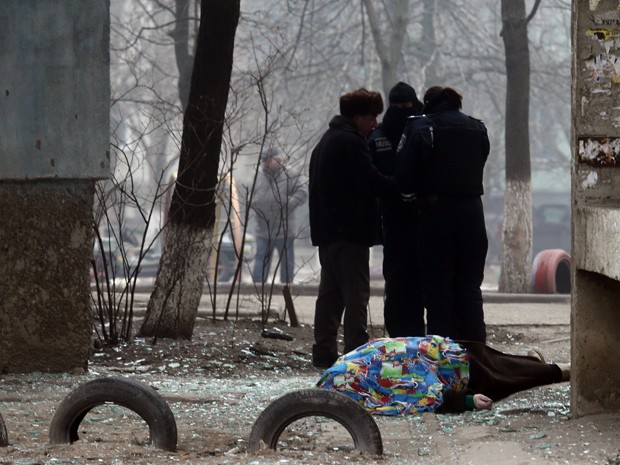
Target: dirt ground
column 218, row 383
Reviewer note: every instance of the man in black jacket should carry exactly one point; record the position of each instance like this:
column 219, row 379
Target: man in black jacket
column 344, row 223
column 441, row 161
column 403, row 309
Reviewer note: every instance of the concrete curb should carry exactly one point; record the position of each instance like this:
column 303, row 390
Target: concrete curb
column 500, row 298
column 375, row 291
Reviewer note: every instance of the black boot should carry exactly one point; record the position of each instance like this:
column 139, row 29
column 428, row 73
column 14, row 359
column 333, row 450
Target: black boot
column 322, row 357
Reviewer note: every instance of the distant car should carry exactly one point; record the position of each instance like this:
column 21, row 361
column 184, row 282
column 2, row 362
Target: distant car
column 117, row 256
column 120, row 256
column 552, row 228
column 493, row 218
column 150, row 259
column 107, row 258
column 551, row 222
column 227, row 260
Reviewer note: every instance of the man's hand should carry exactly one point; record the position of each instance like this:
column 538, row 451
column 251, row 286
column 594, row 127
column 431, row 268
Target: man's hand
column 482, row 402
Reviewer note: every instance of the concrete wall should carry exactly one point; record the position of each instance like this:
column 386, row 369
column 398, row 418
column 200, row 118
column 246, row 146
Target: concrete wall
column 54, row 140
column 54, row 84
column 596, row 208
column 45, row 305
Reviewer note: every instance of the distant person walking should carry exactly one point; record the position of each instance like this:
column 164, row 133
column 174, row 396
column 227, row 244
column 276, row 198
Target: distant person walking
column 278, row 193
column 441, row 162
column 403, row 308
column 344, row 223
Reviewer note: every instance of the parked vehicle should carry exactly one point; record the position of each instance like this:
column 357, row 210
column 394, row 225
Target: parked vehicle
column 552, row 227
column 227, row 260
column 116, row 256
column 107, row 258
column 551, row 222
column 120, row 256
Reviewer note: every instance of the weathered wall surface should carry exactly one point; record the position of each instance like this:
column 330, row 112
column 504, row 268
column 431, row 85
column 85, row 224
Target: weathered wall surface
column 54, row 76
column 596, row 207
column 45, row 303
column 54, row 140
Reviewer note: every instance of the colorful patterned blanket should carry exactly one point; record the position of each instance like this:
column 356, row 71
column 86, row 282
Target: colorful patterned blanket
column 399, row 376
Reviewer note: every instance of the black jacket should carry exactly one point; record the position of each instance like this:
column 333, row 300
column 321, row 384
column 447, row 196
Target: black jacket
column 344, row 185
column 442, row 154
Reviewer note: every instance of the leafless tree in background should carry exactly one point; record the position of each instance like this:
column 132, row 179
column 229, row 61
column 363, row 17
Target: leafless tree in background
column 173, row 306
column 389, row 41
column 121, row 250
column 517, row 230
column 316, row 50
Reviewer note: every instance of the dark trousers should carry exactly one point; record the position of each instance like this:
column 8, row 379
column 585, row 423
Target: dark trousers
column 344, row 289
column 498, row 375
column 453, row 248
column 403, row 309
column 264, row 250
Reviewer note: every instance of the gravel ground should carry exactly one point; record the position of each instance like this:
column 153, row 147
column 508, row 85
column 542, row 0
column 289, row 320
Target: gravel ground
column 219, row 382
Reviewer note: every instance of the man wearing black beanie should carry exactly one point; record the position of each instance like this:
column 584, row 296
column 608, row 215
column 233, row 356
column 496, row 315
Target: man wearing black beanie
column 403, row 311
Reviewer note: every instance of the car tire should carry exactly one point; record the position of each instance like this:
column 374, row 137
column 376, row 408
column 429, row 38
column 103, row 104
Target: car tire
column 551, row 272
column 295, row 405
column 4, row 436
column 134, row 395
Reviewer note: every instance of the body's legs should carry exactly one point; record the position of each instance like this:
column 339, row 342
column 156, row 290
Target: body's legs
column 498, row 375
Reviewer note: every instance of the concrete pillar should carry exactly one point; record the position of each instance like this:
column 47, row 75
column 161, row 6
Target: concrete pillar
column 54, row 140
column 595, row 337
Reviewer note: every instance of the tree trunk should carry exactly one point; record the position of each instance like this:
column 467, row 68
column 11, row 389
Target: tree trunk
column 172, row 308
column 428, row 45
column 517, row 230
column 389, row 52
column 182, row 54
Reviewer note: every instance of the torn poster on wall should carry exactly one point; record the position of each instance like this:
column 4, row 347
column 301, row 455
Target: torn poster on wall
column 604, row 67
column 599, row 151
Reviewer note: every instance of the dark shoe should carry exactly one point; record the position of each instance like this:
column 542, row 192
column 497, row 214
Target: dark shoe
column 322, row 358
column 536, row 354
column 565, row 368
column 318, row 363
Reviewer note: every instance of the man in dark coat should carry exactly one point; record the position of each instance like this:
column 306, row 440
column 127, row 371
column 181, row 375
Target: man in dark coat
column 441, row 160
column 344, row 223
column 403, row 309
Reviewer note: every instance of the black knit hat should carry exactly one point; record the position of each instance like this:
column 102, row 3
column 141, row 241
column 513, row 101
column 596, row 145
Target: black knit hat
column 403, row 93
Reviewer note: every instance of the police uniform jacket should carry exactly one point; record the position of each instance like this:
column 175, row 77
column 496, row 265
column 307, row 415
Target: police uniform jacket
column 442, row 154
